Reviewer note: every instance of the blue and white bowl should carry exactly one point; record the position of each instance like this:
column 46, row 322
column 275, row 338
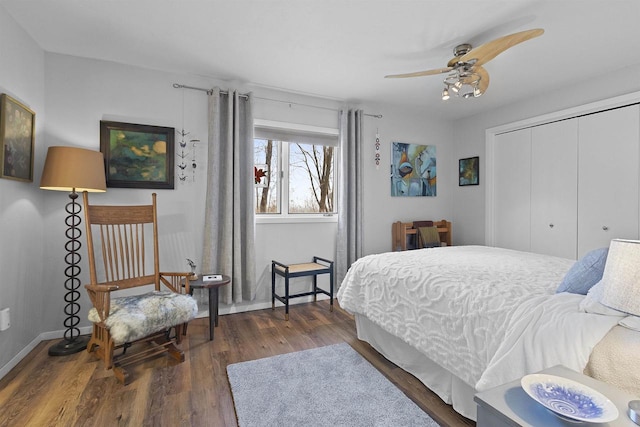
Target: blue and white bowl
column 569, row 399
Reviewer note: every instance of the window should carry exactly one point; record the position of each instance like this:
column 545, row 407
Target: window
column 295, row 171
column 266, row 169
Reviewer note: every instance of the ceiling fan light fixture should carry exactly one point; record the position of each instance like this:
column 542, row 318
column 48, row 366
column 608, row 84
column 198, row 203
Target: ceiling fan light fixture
column 466, row 67
column 463, row 82
column 466, row 91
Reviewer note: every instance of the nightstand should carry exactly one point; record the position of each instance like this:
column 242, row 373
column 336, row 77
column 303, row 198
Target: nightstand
column 509, row 405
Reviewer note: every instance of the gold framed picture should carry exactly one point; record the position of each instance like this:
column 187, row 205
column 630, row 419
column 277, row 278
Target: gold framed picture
column 17, row 136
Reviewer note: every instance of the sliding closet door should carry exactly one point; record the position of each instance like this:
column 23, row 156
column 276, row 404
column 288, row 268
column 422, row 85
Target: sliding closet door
column 554, row 188
column 608, row 177
column 512, row 194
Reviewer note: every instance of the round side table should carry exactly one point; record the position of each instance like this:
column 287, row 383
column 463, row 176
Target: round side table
column 213, row 287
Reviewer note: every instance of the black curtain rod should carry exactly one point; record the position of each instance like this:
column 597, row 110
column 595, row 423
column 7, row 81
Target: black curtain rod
column 245, row 96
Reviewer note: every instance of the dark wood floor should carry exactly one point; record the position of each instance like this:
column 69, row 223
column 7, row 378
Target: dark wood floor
column 76, row 390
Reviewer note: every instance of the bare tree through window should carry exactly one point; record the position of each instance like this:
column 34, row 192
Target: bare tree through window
column 315, row 162
column 267, row 195
column 310, row 177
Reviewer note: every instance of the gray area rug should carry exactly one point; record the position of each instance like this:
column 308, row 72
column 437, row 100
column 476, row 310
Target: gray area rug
column 326, row 386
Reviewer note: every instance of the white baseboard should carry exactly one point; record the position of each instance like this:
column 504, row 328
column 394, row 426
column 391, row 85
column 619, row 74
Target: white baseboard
column 84, row 330
column 18, row 357
column 4, row 370
column 265, row 304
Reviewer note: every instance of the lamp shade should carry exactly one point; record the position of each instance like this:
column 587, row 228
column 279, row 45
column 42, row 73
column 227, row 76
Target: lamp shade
column 621, row 276
column 73, row 169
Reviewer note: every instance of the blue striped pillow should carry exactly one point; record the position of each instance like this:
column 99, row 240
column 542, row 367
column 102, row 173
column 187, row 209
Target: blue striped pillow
column 585, row 273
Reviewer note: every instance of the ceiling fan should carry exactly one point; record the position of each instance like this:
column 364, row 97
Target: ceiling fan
column 467, row 77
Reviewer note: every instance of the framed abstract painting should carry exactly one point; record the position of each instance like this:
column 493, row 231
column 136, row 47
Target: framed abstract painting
column 17, row 135
column 469, row 171
column 137, row 156
column 413, row 170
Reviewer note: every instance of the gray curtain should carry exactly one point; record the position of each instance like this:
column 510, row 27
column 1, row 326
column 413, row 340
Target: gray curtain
column 349, row 246
column 229, row 231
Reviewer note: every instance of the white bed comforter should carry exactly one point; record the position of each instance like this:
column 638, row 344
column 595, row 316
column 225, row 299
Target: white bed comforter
column 487, row 315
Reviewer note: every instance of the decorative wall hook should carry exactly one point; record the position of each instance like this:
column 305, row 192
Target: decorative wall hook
column 377, row 147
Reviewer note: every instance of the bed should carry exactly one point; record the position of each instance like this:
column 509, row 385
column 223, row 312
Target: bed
column 463, row 319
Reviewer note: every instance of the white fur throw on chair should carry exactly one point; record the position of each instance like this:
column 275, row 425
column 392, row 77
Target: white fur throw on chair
column 134, row 317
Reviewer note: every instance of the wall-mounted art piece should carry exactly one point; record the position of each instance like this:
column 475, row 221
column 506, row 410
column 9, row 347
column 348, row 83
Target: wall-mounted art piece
column 469, row 171
column 260, row 175
column 137, row 156
column 413, row 170
column 17, row 135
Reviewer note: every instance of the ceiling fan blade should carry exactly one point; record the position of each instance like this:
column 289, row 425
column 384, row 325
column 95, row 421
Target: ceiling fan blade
column 484, row 78
column 486, row 52
column 420, row 73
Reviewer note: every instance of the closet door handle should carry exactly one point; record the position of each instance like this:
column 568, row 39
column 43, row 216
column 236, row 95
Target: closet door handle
column 605, row 228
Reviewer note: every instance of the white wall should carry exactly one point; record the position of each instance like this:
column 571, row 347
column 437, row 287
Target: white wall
column 469, row 135
column 21, row 224
column 380, row 209
column 81, row 92
column 77, row 93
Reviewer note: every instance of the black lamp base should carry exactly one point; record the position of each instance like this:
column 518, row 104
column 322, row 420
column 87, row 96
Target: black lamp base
column 65, row 348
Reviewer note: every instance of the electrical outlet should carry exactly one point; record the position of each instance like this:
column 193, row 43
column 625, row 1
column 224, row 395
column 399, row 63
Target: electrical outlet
column 5, row 320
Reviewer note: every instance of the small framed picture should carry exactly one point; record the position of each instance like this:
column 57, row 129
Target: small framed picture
column 137, row 156
column 469, row 171
column 17, row 136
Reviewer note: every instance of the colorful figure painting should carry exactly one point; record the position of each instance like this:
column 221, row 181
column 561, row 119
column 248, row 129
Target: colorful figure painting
column 413, row 170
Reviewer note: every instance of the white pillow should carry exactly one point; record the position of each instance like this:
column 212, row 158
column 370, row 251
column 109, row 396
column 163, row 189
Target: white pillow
column 630, row 322
column 591, row 302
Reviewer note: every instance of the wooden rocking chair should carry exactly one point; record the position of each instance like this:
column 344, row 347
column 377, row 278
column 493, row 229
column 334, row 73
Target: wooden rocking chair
column 125, row 233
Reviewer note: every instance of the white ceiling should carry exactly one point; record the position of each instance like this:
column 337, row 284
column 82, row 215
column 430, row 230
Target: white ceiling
column 342, row 48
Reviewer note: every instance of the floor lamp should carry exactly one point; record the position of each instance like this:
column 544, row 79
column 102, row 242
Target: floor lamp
column 74, row 170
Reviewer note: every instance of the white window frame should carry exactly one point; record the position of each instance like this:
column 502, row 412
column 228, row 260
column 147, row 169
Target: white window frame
column 283, row 166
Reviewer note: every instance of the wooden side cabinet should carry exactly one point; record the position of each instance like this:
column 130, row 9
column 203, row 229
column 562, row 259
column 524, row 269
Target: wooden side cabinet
column 403, row 234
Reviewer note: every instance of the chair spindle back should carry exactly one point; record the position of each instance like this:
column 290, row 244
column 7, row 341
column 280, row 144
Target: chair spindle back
column 125, row 233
